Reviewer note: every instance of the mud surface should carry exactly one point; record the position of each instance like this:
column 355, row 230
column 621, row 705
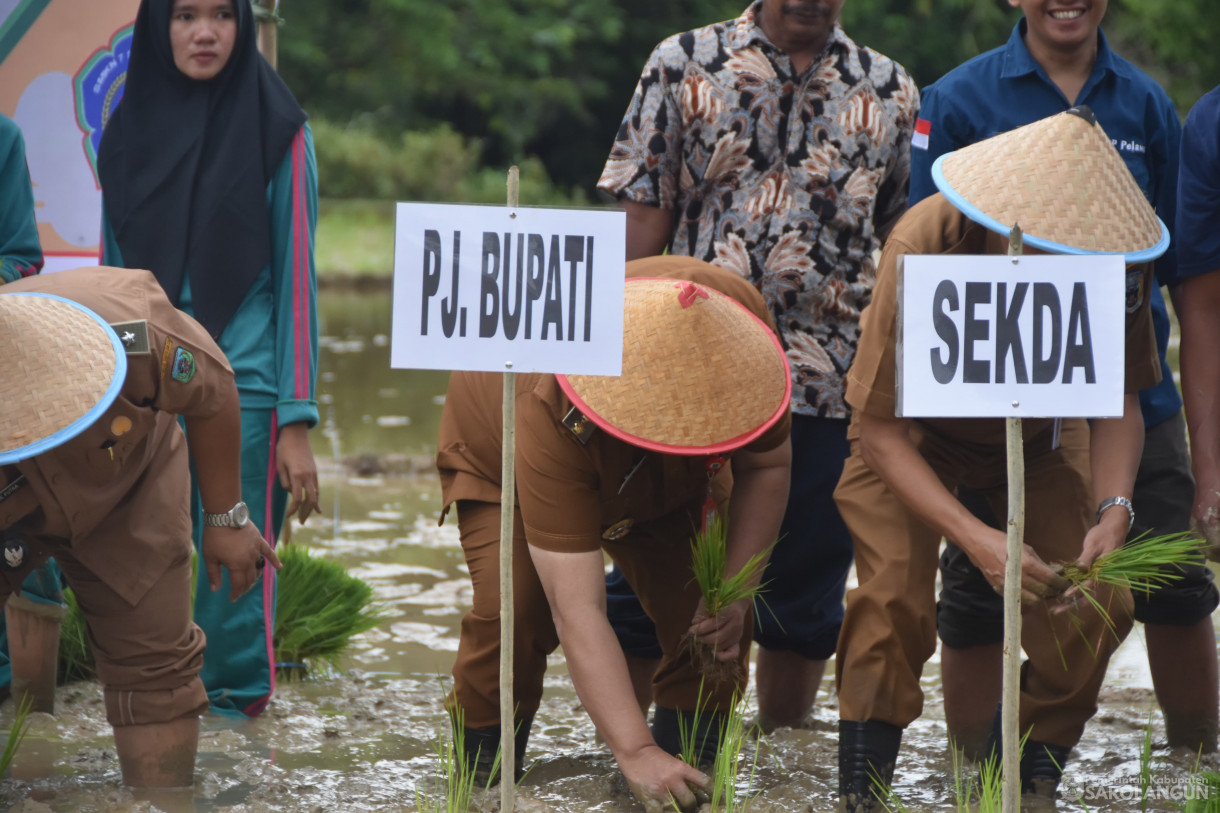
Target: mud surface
column 365, row 740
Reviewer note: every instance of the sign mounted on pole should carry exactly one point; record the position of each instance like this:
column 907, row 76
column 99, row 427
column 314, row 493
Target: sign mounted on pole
column 498, row 288
column 1029, row 336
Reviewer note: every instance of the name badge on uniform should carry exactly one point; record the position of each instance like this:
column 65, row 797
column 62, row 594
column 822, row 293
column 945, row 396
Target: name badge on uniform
column 579, row 425
column 134, row 336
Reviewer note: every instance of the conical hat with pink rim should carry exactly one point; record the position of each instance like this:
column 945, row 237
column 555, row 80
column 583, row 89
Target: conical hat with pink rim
column 701, row 373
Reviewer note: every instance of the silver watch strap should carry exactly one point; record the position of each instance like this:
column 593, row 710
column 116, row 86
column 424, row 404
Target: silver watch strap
column 1110, row 502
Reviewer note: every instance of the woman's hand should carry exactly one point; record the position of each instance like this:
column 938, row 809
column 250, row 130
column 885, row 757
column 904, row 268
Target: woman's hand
column 297, row 470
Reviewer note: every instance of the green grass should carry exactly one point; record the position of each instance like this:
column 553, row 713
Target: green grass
column 355, row 239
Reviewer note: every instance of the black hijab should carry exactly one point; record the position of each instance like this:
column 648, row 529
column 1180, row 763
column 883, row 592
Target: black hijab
column 184, row 165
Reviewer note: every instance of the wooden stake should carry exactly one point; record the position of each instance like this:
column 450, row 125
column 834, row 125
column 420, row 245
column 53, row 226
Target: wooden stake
column 508, row 480
column 267, row 38
column 1011, row 704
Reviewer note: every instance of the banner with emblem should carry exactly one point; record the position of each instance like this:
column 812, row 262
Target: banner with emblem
column 63, row 64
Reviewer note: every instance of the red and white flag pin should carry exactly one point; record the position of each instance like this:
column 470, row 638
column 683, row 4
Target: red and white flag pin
column 919, row 138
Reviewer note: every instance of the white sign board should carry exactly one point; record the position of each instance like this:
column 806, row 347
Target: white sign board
column 994, row 336
column 508, row 290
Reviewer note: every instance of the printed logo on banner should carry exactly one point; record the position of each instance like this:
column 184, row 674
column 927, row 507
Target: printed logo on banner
column 98, row 86
column 16, row 21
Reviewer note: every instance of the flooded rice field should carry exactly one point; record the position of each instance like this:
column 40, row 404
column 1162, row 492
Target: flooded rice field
column 364, row 740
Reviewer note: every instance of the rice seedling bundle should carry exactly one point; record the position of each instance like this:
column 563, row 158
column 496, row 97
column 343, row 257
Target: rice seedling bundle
column 320, row 608
column 1144, row 564
column 709, row 558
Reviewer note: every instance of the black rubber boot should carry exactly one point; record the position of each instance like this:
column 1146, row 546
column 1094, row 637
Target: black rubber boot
column 668, row 725
column 1042, row 767
column 481, row 746
column 1041, row 763
column 867, row 753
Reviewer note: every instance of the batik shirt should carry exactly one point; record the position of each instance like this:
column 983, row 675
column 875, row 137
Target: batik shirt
column 786, row 179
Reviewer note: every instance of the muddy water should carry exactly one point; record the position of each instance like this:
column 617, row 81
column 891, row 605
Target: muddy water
column 363, row 741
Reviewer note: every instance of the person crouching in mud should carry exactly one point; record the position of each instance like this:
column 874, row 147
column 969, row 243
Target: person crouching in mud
column 1063, row 182
column 623, row 466
column 97, row 366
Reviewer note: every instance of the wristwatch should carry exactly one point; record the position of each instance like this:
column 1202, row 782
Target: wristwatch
column 235, row 517
column 1110, row 502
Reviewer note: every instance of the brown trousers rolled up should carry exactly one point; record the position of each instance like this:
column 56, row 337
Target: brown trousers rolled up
column 889, row 630
column 654, row 556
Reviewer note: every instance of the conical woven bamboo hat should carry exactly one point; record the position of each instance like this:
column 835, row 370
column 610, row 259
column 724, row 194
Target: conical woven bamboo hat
column 62, row 368
column 1062, row 181
column 701, row 373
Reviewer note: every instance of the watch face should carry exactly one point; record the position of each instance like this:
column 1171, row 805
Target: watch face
column 240, row 514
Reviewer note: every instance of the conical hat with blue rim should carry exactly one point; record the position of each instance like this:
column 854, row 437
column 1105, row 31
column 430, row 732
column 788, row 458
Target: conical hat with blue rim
column 62, row 367
column 1062, row 181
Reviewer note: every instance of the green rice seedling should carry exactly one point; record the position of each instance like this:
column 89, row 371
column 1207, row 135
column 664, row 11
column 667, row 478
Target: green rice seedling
column 971, row 794
column 688, row 729
column 733, row 737
column 320, row 608
column 75, row 654
column 990, row 788
column 884, row 793
column 709, row 559
column 21, row 724
column 1144, row 564
column 455, row 772
column 1204, row 793
column 1146, row 765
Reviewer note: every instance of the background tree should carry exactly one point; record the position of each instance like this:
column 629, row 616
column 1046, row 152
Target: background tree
column 508, row 79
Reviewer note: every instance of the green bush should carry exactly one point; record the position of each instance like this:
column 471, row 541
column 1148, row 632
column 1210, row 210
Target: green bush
column 436, row 165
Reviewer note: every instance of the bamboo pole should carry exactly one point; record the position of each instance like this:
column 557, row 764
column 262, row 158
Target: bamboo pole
column 1011, row 704
column 267, row 24
column 508, row 480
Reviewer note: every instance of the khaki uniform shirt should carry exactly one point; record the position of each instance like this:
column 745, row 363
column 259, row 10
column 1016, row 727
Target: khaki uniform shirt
column 117, row 494
column 570, row 493
column 934, row 226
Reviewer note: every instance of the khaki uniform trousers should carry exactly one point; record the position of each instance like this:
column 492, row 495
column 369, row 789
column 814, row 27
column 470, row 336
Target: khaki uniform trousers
column 654, row 556
column 889, row 630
